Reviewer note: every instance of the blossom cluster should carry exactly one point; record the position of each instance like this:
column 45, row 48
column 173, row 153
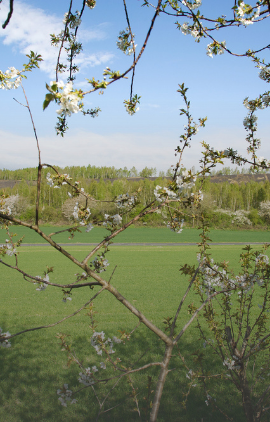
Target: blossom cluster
column 8, row 248
column 99, row 342
column 190, row 5
column 125, row 200
column 112, row 221
column 87, row 376
column 229, row 363
column 194, row 30
column 262, row 260
column 65, row 396
column 90, row 3
column 11, row 79
column 73, row 20
column 131, row 105
column 215, row 48
column 245, row 13
column 261, row 103
column 70, row 101
column 264, row 73
column 42, row 283
column 183, row 182
column 162, row 194
column 100, row 264
column 250, row 122
column 125, row 42
column 175, row 225
column 57, row 180
column 4, row 339
column 215, row 277
column 6, row 209
column 82, row 215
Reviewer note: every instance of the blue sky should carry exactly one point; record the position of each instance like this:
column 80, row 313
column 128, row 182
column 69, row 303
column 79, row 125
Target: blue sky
column 217, row 87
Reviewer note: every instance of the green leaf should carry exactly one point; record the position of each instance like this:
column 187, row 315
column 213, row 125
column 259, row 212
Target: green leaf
column 48, row 99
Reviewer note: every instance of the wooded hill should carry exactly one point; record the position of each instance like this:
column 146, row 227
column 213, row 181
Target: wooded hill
column 228, row 197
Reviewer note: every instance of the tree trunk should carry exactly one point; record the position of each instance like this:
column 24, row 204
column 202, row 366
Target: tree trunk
column 161, row 381
column 246, row 400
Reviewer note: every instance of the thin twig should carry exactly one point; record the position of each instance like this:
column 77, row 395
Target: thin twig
column 62, row 43
column 48, row 283
column 183, row 299
column 11, row 2
column 134, row 55
column 58, row 322
column 140, row 53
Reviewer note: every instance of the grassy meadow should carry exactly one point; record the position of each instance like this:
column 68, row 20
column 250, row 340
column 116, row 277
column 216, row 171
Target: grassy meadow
column 34, row 367
column 141, row 235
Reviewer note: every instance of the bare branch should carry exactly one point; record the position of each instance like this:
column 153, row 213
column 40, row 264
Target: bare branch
column 5, row 24
column 58, row 322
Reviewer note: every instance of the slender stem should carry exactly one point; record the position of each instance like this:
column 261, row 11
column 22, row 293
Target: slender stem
column 62, row 43
column 141, row 52
column 11, row 2
column 183, row 299
column 39, row 159
column 134, row 55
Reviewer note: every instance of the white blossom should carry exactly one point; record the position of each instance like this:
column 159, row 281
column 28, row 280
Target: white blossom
column 4, row 339
column 190, row 374
column 68, row 100
column 10, row 250
column 185, row 29
column 246, row 15
column 229, row 363
column 50, row 181
column 42, row 285
column 125, row 200
column 73, row 20
column 89, row 227
column 190, row 5
column 215, row 48
column 117, row 340
column 7, row 79
column 111, row 220
column 262, row 259
column 65, row 396
column 100, row 264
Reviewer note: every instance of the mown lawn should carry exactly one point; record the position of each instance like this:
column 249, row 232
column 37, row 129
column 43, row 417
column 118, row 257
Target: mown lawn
column 34, row 367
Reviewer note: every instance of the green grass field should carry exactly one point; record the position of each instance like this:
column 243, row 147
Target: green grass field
column 34, row 367
column 142, row 235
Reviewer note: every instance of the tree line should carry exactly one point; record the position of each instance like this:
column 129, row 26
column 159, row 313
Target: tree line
column 95, row 172
column 221, row 200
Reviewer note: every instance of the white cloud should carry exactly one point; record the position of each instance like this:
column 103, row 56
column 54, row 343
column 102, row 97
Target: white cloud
column 32, row 32
column 83, row 148
column 91, row 60
column 116, row 149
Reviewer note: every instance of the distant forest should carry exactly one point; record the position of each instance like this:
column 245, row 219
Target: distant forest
column 225, row 197
column 93, row 172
